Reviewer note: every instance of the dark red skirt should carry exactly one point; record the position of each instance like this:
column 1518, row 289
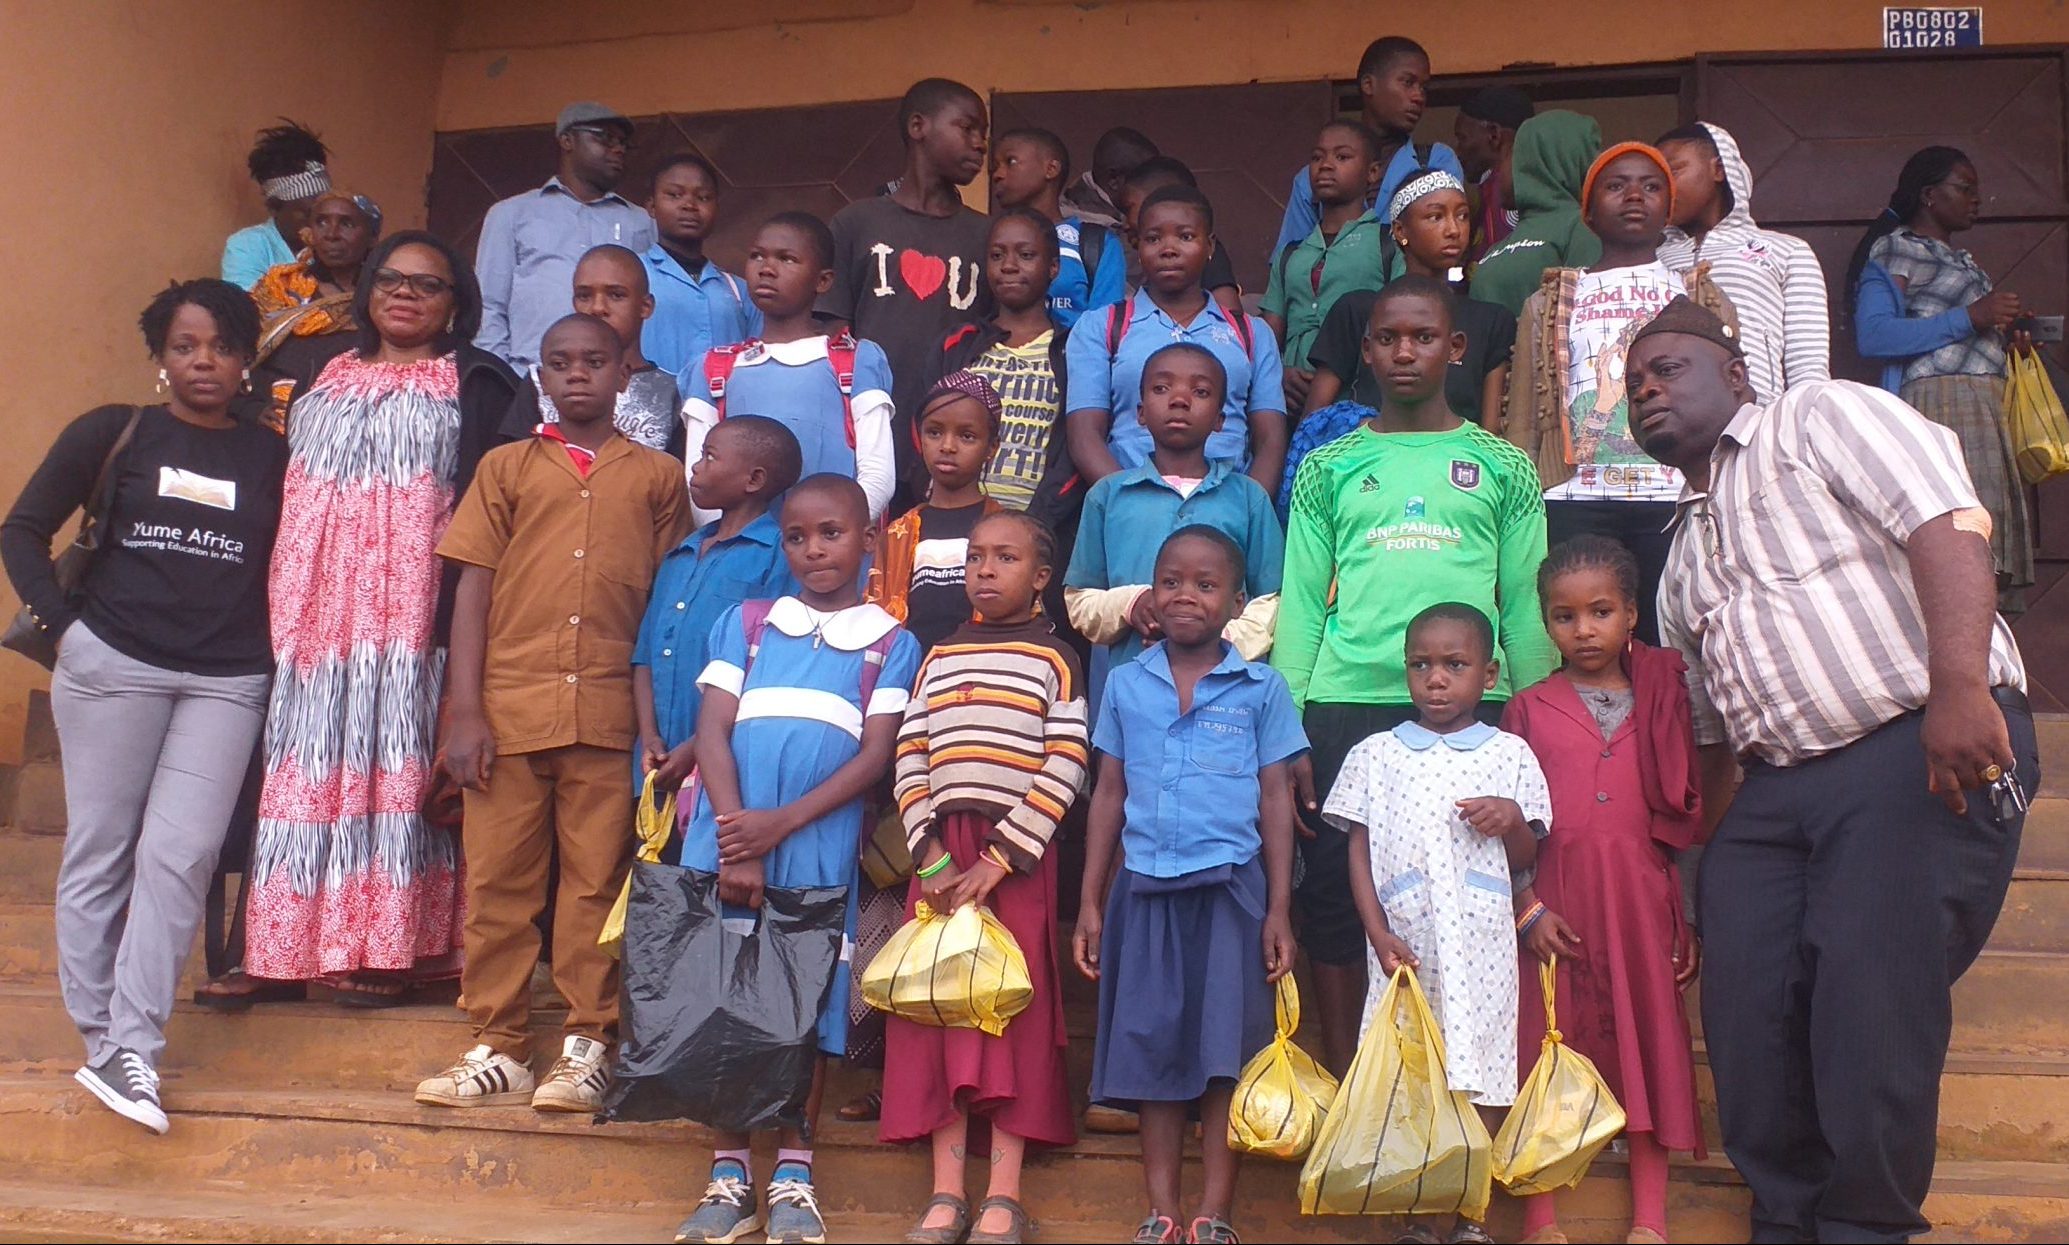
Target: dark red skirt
column 1017, row 1080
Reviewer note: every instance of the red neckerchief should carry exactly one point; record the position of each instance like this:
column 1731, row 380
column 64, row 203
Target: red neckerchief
column 583, row 459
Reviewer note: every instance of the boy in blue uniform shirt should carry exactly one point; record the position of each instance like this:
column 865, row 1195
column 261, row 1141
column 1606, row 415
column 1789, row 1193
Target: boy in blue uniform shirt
column 747, row 463
column 832, row 392
column 1106, row 590
column 1174, row 231
column 697, row 304
column 1029, row 168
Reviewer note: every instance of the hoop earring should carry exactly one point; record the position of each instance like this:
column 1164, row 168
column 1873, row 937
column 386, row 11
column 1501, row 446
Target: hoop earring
column 161, row 380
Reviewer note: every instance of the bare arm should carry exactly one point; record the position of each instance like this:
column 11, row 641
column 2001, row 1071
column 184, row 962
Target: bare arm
column 1964, row 732
column 1322, row 390
column 1275, row 822
column 1492, row 391
column 470, row 747
column 1268, row 437
column 1087, row 432
column 1102, row 838
column 1393, row 952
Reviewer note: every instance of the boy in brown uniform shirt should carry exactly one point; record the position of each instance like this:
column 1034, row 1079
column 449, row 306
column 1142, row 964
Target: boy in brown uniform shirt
column 558, row 539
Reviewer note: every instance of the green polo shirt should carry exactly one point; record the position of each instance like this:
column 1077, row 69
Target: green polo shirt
column 1308, row 278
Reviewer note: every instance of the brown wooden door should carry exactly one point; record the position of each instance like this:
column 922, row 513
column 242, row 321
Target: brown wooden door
column 1827, row 133
column 1244, row 143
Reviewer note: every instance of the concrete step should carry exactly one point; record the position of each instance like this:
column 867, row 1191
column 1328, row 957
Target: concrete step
column 377, row 1149
column 2035, row 916
column 28, row 867
column 2052, row 729
column 2044, row 843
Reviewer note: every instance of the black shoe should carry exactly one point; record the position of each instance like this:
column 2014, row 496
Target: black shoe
column 128, row 1086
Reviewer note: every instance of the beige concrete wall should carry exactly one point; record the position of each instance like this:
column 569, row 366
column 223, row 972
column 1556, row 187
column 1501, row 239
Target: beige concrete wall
column 518, row 61
column 123, row 149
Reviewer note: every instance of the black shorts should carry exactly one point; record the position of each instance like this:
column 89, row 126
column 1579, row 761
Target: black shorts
column 1330, row 931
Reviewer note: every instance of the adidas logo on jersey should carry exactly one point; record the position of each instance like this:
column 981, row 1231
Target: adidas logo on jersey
column 1369, row 485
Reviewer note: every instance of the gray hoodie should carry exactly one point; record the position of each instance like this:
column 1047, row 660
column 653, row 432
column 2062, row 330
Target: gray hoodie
column 1773, row 279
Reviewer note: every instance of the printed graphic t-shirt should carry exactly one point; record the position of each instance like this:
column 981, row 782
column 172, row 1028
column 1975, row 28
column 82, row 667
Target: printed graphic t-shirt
column 904, row 279
column 1025, row 378
column 1608, row 310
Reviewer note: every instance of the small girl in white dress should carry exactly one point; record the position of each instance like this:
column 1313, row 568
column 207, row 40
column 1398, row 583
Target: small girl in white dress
column 1447, row 810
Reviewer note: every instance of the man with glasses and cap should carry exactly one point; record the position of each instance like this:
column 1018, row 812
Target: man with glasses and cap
column 531, row 241
column 1830, row 585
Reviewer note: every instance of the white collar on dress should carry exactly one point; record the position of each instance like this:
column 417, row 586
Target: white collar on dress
column 1420, row 737
column 849, row 630
column 790, row 354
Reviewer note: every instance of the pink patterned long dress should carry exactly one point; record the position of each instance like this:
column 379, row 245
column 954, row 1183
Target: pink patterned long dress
column 345, row 873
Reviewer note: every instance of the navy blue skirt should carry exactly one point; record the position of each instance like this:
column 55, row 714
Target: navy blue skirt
column 1182, row 995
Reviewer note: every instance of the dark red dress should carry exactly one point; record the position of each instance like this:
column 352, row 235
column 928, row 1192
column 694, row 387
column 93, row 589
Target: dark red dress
column 1606, row 869
column 1016, row 1080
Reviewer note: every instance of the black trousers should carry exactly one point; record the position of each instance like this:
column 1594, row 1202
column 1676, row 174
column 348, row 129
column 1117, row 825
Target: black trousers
column 1640, row 525
column 1840, row 901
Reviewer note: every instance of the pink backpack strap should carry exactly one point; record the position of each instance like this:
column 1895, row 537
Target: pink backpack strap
column 718, row 370
column 873, row 659
column 754, row 620
column 840, row 356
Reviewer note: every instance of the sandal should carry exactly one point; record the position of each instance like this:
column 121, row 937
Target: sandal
column 1644, row 1236
column 1419, row 1234
column 234, row 991
column 921, row 1234
column 1213, row 1230
column 1469, row 1233
column 367, row 991
column 1019, row 1229
column 863, row 1108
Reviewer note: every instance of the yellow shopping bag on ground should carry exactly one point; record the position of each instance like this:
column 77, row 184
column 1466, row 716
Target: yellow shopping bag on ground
column 1283, row 1095
column 1398, row 1141
column 961, row 971
column 1563, row 1116
column 2033, row 416
column 655, row 821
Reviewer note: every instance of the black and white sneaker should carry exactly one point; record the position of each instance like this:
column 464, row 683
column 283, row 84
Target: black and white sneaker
column 128, row 1086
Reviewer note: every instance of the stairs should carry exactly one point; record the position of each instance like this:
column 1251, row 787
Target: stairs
column 294, row 1122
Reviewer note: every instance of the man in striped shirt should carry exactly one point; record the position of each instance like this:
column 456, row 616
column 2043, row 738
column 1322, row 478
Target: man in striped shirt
column 1830, row 585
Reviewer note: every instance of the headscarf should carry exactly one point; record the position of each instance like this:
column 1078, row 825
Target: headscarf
column 968, row 384
column 1416, row 187
column 313, row 180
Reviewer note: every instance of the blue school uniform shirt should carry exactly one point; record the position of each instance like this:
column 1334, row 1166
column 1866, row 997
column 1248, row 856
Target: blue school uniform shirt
column 1128, row 514
column 1254, row 376
column 1075, row 292
column 1192, row 777
column 1302, row 215
column 249, row 252
column 693, row 587
column 693, row 314
column 800, row 719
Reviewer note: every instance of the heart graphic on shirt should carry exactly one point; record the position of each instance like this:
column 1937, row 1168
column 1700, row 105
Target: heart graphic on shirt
column 922, row 274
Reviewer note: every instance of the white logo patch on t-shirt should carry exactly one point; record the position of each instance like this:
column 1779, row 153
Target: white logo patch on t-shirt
column 192, row 486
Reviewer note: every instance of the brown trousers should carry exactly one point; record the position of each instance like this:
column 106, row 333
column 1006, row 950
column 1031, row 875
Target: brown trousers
column 578, row 797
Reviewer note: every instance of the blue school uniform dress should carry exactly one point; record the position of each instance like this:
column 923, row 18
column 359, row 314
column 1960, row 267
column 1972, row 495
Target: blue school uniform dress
column 800, row 719
column 693, row 587
column 693, row 314
column 1128, row 514
column 793, row 383
column 1255, row 377
column 1182, row 993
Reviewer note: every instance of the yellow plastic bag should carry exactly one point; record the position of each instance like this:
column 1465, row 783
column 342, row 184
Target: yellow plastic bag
column 961, row 971
column 1283, row 1095
column 1563, row 1115
column 655, row 821
column 2033, row 416
column 1398, row 1141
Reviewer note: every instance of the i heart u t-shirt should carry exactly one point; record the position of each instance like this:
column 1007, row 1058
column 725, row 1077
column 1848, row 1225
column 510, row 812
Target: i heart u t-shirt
column 904, row 280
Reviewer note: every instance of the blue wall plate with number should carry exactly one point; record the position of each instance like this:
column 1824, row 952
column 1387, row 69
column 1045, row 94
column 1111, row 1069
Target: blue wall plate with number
column 1932, row 28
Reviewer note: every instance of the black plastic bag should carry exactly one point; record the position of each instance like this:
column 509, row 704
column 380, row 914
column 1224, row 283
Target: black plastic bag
column 720, row 1019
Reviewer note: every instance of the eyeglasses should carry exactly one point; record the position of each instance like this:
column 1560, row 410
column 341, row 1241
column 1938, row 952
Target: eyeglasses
column 605, row 138
column 422, row 284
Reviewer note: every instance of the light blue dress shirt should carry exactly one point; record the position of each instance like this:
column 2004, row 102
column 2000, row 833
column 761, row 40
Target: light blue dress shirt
column 1255, row 378
column 693, row 314
column 526, row 260
column 249, row 252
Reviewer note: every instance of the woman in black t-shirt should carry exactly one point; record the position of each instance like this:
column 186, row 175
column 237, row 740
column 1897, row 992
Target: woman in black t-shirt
column 1432, row 224
column 163, row 663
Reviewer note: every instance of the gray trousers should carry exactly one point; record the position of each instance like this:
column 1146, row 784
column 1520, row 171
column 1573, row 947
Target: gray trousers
column 153, row 761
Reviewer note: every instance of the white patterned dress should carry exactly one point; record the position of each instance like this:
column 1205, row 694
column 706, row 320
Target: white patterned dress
column 345, row 872
column 1445, row 886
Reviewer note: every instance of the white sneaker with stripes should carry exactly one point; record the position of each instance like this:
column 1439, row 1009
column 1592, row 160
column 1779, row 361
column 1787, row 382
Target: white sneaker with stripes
column 578, row 1078
column 482, row 1078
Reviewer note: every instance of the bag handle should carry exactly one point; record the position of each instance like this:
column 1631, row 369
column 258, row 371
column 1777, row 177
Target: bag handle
column 1548, row 982
column 98, row 503
column 1286, row 1008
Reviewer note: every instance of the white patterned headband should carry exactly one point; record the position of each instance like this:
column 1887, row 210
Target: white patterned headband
column 1428, row 183
column 307, row 184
